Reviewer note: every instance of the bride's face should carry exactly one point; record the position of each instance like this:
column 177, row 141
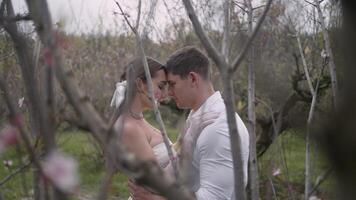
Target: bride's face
column 160, row 89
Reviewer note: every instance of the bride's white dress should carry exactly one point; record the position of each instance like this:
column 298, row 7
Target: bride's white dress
column 161, row 155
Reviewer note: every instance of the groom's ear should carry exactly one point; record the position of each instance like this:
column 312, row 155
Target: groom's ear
column 193, row 77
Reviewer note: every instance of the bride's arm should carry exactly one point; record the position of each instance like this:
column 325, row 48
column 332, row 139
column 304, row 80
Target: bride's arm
column 136, row 142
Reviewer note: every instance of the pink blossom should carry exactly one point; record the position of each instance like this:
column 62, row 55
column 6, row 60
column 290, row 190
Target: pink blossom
column 62, row 171
column 8, row 137
column 276, row 172
column 7, row 163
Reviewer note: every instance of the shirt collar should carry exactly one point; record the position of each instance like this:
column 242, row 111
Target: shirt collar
column 207, row 105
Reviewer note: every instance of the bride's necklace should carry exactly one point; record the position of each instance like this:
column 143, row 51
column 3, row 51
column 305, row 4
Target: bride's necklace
column 136, row 115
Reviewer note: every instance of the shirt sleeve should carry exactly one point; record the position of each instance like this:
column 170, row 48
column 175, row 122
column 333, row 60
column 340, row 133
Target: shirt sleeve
column 213, row 157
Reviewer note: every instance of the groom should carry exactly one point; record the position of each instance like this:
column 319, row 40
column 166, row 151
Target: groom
column 211, row 167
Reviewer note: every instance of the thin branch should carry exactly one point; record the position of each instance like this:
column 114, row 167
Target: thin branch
column 16, row 117
column 150, row 16
column 171, row 18
column 126, row 19
column 151, row 96
column 14, row 173
column 324, row 176
column 205, row 40
column 240, row 6
column 241, row 56
column 138, row 14
column 276, row 129
column 258, row 7
column 306, row 71
column 6, row 56
column 310, row 3
column 17, row 18
column 102, row 195
column 226, row 33
column 273, row 188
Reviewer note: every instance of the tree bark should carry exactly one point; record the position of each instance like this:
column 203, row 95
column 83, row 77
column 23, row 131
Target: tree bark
column 253, row 182
column 329, row 52
column 235, row 140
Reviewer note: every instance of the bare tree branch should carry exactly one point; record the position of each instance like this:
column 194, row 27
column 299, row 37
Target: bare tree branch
column 14, row 173
column 126, row 19
column 205, row 40
column 253, row 180
column 323, row 176
column 305, row 67
column 225, row 51
column 310, row 3
column 151, row 96
column 236, row 63
column 329, row 52
column 240, row 6
column 17, row 18
column 148, row 172
column 16, row 119
column 138, row 14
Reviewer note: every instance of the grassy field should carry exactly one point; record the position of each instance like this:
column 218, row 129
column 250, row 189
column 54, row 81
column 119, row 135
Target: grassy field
column 288, row 155
column 290, row 161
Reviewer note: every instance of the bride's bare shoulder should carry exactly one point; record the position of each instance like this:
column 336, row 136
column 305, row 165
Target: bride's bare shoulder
column 130, row 128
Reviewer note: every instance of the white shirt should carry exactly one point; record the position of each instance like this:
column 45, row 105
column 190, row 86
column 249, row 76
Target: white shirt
column 212, row 176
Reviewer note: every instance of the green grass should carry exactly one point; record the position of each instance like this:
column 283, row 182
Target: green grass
column 12, row 189
column 91, row 165
column 288, row 154
column 92, row 168
column 83, row 148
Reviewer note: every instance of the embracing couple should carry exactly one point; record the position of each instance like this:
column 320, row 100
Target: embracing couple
column 187, row 79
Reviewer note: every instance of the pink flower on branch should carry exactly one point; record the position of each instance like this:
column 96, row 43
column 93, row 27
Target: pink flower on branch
column 8, row 137
column 8, row 163
column 276, row 172
column 62, row 171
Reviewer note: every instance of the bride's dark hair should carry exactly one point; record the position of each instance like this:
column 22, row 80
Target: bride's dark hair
column 138, row 70
column 132, row 71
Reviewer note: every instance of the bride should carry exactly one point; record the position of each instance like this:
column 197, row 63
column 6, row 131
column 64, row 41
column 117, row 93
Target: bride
column 140, row 137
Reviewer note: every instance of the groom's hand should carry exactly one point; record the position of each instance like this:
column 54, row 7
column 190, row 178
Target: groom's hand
column 198, row 123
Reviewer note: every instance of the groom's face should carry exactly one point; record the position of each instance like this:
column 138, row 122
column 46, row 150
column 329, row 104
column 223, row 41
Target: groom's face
column 180, row 91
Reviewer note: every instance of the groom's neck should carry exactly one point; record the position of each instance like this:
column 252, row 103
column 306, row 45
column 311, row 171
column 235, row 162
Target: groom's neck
column 202, row 95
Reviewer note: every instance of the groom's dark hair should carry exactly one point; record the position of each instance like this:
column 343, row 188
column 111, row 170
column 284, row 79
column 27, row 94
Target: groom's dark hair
column 189, row 59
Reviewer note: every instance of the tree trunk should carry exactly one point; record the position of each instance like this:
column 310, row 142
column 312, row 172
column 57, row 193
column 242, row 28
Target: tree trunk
column 332, row 67
column 234, row 135
column 253, row 183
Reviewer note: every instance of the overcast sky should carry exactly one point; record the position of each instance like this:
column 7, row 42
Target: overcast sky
column 97, row 16
column 94, row 15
